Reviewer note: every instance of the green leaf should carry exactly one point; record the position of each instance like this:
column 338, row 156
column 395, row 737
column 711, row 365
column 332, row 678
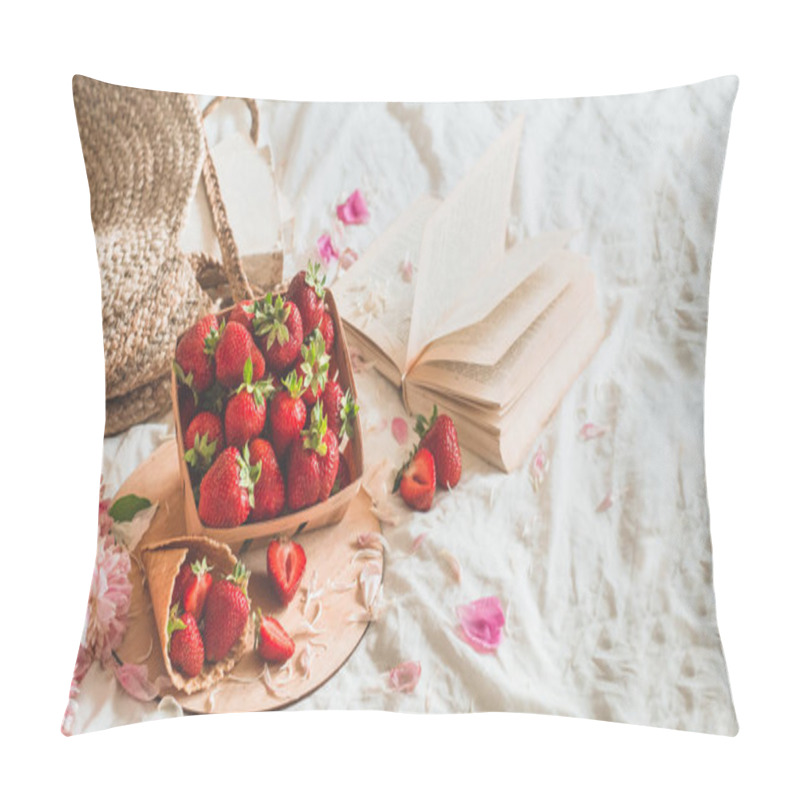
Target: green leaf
column 127, row 507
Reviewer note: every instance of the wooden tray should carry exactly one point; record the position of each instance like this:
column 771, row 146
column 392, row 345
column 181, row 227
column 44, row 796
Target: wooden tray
column 325, row 513
column 331, row 554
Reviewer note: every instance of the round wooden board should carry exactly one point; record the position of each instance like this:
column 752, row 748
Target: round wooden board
column 332, row 566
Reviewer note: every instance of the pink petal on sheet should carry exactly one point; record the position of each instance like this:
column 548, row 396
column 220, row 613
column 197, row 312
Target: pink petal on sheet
column 407, row 270
column 405, row 677
column 452, row 563
column 482, row 624
column 134, row 680
column 370, row 541
column 592, row 431
column 354, row 210
column 606, row 502
column 539, row 467
column 400, row 430
column 347, row 258
column 326, row 249
column 417, row 543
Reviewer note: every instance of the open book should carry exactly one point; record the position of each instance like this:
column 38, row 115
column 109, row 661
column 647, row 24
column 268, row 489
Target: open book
column 494, row 337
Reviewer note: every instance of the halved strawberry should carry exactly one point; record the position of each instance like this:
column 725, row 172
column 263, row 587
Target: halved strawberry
column 273, row 643
column 194, row 595
column 417, row 480
column 286, row 562
column 438, row 434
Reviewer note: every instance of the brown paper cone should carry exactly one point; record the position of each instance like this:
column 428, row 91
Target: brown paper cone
column 162, row 562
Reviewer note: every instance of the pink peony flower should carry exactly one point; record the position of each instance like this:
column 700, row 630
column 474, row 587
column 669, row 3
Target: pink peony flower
column 134, row 680
column 405, row 677
column 109, row 600
column 482, row 624
column 326, row 248
column 354, row 210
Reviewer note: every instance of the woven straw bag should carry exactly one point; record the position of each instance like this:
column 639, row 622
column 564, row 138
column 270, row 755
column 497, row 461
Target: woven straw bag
column 145, row 153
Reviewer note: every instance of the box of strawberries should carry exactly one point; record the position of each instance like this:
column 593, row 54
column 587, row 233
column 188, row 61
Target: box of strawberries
column 266, row 419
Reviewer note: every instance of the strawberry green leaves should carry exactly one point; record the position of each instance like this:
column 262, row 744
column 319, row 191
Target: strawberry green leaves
column 127, row 507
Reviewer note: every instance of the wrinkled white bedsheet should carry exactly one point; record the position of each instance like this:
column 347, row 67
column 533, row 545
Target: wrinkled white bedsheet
column 610, row 614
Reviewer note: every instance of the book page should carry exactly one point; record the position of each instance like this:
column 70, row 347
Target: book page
column 463, row 243
column 373, row 296
column 487, row 341
column 499, row 384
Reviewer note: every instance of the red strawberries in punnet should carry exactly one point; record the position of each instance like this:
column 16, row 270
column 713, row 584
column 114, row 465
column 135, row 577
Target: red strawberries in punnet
column 287, row 413
column 226, row 491
column 203, row 440
column 246, row 412
column 313, row 367
column 307, row 292
column 279, row 327
column 194, row 356
column 312, row 464
column 234, row 349
column 260, row 410
column 269, row 492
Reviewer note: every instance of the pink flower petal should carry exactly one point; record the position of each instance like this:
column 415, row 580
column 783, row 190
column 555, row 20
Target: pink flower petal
column 134, row 680
column 407, row 270
column 418, row 542
column 452, row 563
column 400, row 430
column 539, row 467
column 482, row 624
column 592, row 431
column 347, row 259
column 327, row 251
column 606, row 502
column 405, row 677
column 354, row 210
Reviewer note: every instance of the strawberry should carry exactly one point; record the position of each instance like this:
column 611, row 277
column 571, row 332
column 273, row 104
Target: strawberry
column 287, row 413
column 417, row 480
column 313, row 367
column 235, row 347
column 195, row 354
column 274, row 645
column 286, row 562
column 327, row 330
column 203, row 440
column 227, row 610
column 326, row 444
column 246, row 412
column 307, row 292
column 194, row 595
column 226, row 491
column 187, row 401
column 269, row 492
column 340, row 408
column 313, row 463
column 186, row 650
column 279, row 326
column 181, row 582
column 438, row 434
column 243, row 313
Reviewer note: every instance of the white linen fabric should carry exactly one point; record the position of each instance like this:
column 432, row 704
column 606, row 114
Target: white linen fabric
column 610, row 611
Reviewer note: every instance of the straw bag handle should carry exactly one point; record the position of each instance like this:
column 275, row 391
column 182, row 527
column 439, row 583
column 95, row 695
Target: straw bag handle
column 231, row 262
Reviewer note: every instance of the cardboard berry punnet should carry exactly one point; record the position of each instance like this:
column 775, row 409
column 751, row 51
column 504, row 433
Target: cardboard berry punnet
column 327, row 512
